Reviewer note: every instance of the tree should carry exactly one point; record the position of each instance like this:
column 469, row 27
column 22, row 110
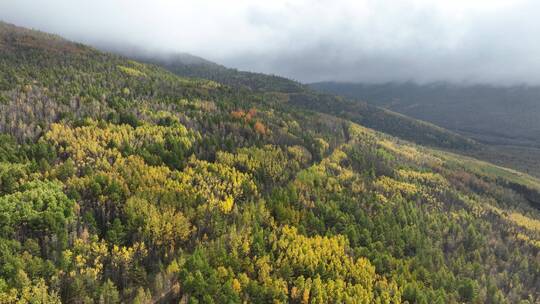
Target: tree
column 468, row 290
column 109, row 293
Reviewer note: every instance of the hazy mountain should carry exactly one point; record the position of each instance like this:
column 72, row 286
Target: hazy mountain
column 492, row 114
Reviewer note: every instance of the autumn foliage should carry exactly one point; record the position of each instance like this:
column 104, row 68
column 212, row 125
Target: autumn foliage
column 183, row 190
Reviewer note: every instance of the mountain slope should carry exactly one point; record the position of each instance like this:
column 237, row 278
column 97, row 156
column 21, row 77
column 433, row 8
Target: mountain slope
column 302, row 96
column 122, row 182
column 192, row 66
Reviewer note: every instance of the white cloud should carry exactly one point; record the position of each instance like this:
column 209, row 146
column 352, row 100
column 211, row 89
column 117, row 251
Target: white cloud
column 356, row 40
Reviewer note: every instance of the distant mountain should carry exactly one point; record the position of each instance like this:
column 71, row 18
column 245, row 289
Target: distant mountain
column 504, row 119
column 192, row 66
column 491, row 114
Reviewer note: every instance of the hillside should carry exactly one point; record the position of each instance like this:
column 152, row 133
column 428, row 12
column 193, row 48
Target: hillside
column 192, row 66
column 123, row 182
column 299, row 95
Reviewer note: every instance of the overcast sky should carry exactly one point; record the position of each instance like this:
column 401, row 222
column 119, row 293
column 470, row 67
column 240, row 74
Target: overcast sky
column 358, row 40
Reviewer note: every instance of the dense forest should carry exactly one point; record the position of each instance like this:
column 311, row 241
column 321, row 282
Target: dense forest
column 121, row 182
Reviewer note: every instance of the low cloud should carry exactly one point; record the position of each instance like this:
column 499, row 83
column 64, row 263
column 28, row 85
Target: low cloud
column 369, row 41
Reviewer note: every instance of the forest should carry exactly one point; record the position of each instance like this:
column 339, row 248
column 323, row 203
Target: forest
column 303, row 96
column 123, row 182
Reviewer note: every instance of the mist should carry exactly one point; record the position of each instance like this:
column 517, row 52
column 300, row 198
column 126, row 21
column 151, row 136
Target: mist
column 357, row 41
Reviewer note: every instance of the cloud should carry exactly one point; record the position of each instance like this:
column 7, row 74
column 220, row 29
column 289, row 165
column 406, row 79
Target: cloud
column 358, row 40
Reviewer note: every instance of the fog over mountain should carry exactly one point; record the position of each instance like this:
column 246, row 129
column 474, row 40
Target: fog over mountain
column 361, row 41
column 165, row 177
